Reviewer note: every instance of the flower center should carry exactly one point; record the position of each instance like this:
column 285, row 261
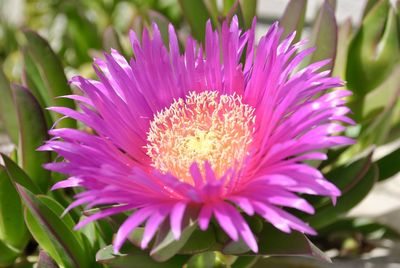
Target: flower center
column 205, row 126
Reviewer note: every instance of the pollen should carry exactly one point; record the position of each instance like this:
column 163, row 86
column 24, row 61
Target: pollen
column 202, row 127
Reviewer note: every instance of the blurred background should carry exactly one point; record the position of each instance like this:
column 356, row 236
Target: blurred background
column 362, row 36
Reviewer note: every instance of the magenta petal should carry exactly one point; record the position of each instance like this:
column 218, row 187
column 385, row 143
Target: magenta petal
column 242, row 227
column 205, row 216
column 133, row 221
column 176, row 219
column 225, row 221
column 152, row 225
column 297, row 118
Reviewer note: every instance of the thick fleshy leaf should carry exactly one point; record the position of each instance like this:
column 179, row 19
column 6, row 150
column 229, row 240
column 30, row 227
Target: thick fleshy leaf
column 344, row 36
column 212, row 7
column 204, row 260
column 289, row 262
column 17, row 175
column 135, row 257
column 374, row 50
column 328, row 213
column 8, row 111
column 32, row 79
column 53, row 234
column 12, row 224
column 324, row 36
column 387, row 166
column 249, row 9
column 52, row 75
column 245, row 262
column 370, row 229
column 199, row 241
column 7, row 254
column 165, row 245
column 293, row 18
column 345, row 177
column 33, row 133
column 196, row 13
column 111, row 39
column 273, row 242
column 368, row 6
column 376, row 129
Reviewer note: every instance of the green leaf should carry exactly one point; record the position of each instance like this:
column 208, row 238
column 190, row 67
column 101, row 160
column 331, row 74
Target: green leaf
column 199, row 241
column 387, row 166
column 344, row 37
column 204, row 260
column 289, row 262
column 273, row 242
column 17, row 175
column 324, row 36
column 7, row 108
column 212, row 8
column 196, row 13
column 135, row 257
column 165, row 245
column 12, row 224
column 32, row 79
column 348, row 175
column 7, row 254
column 249, row 10
column 370, row 4
column 293, row 18
column 32, row 134
column 374, row 51
column 328, row 213
column 53, row 234
column 345, row 177
column 367, row 227
column 111, row 39
column 245, row 262
column 52, row 74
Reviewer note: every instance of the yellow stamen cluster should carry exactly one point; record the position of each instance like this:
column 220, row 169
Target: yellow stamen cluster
column 205, row 126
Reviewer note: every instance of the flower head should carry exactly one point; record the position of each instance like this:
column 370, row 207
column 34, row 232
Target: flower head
column 174, row 131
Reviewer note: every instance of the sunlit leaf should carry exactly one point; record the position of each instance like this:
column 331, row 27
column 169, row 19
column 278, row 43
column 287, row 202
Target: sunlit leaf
column 374, row 50
column 324, row 36
column 293, row 18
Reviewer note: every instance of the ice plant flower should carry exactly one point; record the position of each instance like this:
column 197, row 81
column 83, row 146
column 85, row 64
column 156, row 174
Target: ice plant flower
column 173, row 131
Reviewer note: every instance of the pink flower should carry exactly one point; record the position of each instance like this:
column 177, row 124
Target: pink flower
column 201, row 129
